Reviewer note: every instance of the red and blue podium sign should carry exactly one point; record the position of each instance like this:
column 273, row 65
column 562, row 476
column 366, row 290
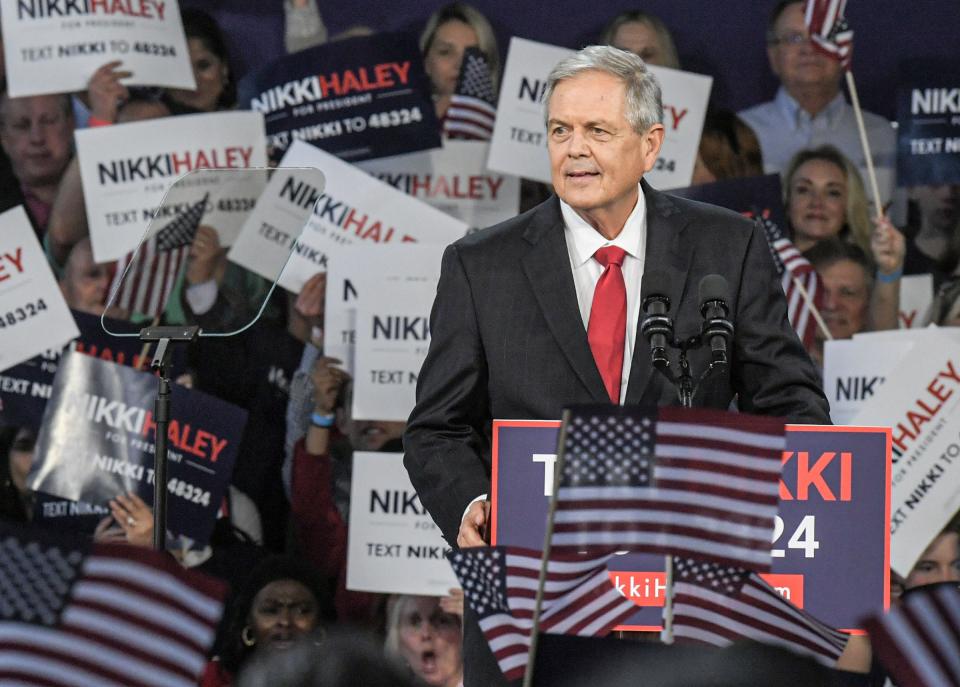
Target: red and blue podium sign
column 831, row 544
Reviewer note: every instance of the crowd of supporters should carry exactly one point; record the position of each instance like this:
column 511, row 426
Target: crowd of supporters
column 281, row 539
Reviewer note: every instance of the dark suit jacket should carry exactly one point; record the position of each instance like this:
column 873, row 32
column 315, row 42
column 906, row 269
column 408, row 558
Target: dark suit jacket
column 508, row 340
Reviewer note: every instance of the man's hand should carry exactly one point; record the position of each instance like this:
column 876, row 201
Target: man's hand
column 474, row 525
column 310, row 300
column 105, row 91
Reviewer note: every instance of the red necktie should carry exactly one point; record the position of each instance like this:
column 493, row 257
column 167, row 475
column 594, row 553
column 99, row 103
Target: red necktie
column 608, row 320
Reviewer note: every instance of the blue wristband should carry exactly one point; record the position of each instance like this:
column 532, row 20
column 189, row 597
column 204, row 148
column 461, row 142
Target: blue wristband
column 325, row 421
column 888, row 278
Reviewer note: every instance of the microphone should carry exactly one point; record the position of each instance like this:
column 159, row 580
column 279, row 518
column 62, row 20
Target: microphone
column 717, row 329
column 657, row 327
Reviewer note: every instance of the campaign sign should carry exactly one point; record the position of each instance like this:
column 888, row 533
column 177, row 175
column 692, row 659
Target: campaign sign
column 127, row 168
column 97, row 440
column 916, row 295
column 68, row 515
column 750, row 196
column 830, row 543
column 454, row 179
column 855, row 369
column 33, row 314
column 928, row 126
column 358, row 99
column 393, row 545
column 351, row 208
column 25, row 388
column 370, row 272
column 519, row 143
column 55, row 46
column 919, row 401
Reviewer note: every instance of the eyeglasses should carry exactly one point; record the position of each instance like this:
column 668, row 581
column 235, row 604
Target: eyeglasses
column 793, row 38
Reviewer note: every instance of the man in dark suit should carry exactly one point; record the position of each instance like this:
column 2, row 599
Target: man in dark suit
column 543, row 310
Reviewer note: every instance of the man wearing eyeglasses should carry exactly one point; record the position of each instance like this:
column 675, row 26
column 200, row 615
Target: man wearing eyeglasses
column 809, row 109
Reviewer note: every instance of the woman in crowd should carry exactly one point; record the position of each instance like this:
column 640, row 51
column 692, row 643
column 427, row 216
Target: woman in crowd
column 282, row 601
column 824, row 199
column 728, row 150
column 449, row 31
column 16, row 457
column 939, row 562
column 643, row 34
column 427, row 637
column 216, row 89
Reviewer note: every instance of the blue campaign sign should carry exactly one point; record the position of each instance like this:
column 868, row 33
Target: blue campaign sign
column 358, row 99
column 97, row 441
column 831, row 544
column 928, row 125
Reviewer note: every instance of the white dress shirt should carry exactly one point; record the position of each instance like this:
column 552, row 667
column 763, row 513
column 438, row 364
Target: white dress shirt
column 582, row 242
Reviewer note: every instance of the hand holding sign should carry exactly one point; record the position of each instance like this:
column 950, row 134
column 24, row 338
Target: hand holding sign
column 105, row 91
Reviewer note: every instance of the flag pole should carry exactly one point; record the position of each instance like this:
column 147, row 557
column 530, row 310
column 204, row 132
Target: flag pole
column 813, row 308
column 545, row 557
column 864, row 143
column 668, row 605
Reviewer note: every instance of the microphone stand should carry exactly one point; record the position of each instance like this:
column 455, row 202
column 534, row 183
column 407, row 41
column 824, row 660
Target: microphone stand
column 683, row 380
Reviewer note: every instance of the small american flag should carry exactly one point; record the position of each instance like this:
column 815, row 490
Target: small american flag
column 795, row 272
column 472, row 108
column 500, row 584
column 719, row 605
column 919, row 640
column 829, row 30
column 154, row 269
column 679, row 481
column 78, row 614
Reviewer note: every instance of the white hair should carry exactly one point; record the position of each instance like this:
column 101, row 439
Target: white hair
column 644, row 105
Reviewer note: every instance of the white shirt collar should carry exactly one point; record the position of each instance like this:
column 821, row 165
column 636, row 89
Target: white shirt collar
column 587, row 240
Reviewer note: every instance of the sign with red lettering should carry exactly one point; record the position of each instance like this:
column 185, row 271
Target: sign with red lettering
column 830, row 542
column 127, row 168
column 358, row 99
column 919, row 401
column 916, row 295
column 519, row 144
column 98, row 440
column 33, row 313
column 55, row 46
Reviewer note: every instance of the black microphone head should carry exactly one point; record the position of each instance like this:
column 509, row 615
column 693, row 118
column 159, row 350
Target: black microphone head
column 655, row 283
column 713, row 287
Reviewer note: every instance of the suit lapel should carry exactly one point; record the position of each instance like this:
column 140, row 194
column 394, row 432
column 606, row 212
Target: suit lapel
column 547, row 266
column 664, row 251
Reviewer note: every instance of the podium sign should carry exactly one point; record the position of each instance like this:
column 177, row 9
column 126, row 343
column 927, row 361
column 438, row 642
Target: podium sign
column 831, row 545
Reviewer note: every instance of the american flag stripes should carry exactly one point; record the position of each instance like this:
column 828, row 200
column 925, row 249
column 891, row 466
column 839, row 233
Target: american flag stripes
column 500, row 585
column 155, row 267
column 796, row 273
column 679, row 481
column 472, row 107
column 100, row 615
column 918, row 641
column 829, row 30
column 718, row 605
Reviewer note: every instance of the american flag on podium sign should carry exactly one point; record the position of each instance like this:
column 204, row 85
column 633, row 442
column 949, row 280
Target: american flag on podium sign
column 796, row 273
column 155, row 268
column 829, row 30
column 74, row 613
column 473, row 108
column 676, row 481
column 500, row 585
column 719, row 605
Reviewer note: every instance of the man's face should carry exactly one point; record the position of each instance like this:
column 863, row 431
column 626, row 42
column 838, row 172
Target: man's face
column 36, row 134
column 640, row 39
column 796, row 62
column 596, row 158
column 846, row 297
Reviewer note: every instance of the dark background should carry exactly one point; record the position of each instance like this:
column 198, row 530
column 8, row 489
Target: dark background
column 721, row 38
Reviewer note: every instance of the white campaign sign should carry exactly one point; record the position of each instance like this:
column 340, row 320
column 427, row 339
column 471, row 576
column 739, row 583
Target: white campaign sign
column 127, row 168
column 393, row 545
column 33, row 315
column 352, row 208
column 453, row 179
column 519, row 144
column 916, row 295
column 855, row 369
column 919, row 401
column 55, row 46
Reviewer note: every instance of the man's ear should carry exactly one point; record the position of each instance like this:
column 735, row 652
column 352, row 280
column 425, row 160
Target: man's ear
column 652, row 142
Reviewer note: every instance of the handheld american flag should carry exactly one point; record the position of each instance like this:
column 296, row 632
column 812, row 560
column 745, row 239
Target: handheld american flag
column 473, row 105
column 79, row 614
column 797, row 276
column 719, row 605
column 679, row 481
column 829, row 30
column 919, row 640
column 500, row 585
column 153, row 270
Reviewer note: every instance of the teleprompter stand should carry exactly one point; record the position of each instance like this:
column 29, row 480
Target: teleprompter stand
column 164, row 337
